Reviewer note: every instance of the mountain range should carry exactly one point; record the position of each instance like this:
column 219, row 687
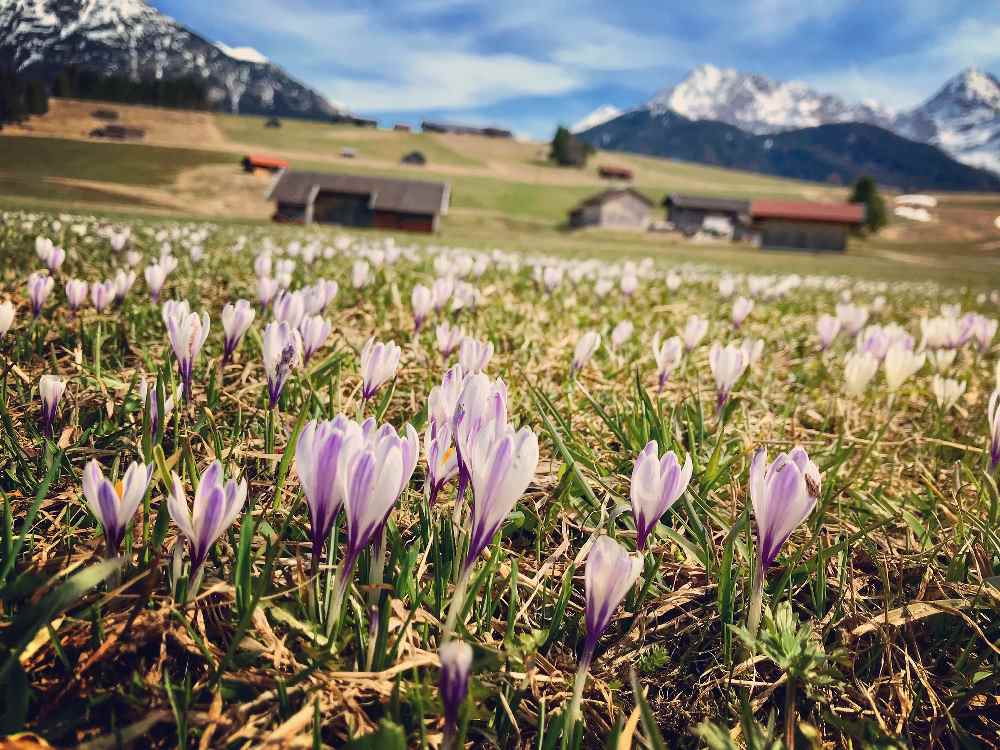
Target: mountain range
column 38, row 38
column 961, row 119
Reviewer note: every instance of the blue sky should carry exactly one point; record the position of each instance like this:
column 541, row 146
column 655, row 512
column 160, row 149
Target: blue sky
column 530, row 64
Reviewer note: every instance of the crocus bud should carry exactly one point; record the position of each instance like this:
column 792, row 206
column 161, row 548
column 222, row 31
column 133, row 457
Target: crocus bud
column 827, row 327
column 586, row 346
column 742, row 307
column 216, row 506
column 993, row 415
column 610, row 573
column 290, row 308
column 667, row 354
column 947, row 392
column 7, row 314
column 983, row 330
column 443, row 399
column 456, row 665
column 39, row 287
column 621, row 333
column 50, row 389
column 727, row 364
column 900, row 364
column 423, row 302
column 474, row 355
column 266, row 289
column 727, row 285
column 361, row 274
column 113, row 505
column 449, row 338
column 315, row 331
column 859, row 369
column 76, row 293
column 694, row 331
column 378, row 365
column 282, row 352
column 55, row 258
column 123, row 282
column 236, row 320
column 102, row 294
column 147, row 395
column 752, row 350
column 852, row 317
column 656, row 485
column 156, row 277
column 442, row 458
column 443, row 288
column 187, row 333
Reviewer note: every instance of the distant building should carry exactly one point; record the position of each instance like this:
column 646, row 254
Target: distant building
column 273, row 122
column 348, row 153
column 691, row 214
column 624, row 208
column 257, row 163
column 118, row 133
column 415, row 158
column 342, row 118
column 359, row 201
column 445, row 127
column 401, row 127
column 609, row 172
column 799, row 225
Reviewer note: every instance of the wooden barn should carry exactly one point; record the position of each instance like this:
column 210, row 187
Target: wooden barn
column 689, row 213
column 610, row 172
column 254, row 163
column 359, row 201
column 800, row 225
column 624, row 208
column 447, row 127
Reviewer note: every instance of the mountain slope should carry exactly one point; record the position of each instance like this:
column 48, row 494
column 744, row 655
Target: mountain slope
column 598, row 117
column 130, row 38
column 837, row 153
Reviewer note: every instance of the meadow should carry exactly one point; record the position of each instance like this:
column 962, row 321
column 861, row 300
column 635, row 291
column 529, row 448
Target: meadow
column 274, row 486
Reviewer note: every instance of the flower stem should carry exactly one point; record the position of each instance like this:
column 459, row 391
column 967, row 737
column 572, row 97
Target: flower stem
column 457, row 602
column 756, row 602
column 790, row 713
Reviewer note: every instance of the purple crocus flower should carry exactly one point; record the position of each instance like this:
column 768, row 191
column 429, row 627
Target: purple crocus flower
column 7, row 315
column 216, row 506
column 54, row 258
column 123, row 282
column 147, row 395
column 586, row 346
column 314, row 331
column 422, row 301
column 187, row 333
column 783, row 494
column 236, row 319
column 289, row 307
column 742, row 307
column 282, row 351
column 449, row 338
column 482, row 401
column 102, row 294
column 379, row 361
column 610, row 573
column 76, row 293
column 322, row 455
column 266, row 289
column 694, row 331
column 156, row 277
column 442, row 459
column 50, row 389
column 443, row 288
column 993, row 413
column 113, row 505
column 456, row 666
column 474, row 354
column 727, row 364
column 667, row 354
column 39, row 287
column 656, row 484
column 827, row 327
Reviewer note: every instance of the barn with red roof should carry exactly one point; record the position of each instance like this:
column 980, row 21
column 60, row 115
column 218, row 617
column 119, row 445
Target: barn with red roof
column 803, row 225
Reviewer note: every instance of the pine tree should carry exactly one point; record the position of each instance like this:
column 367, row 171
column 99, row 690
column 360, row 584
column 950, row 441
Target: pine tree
column 37, row 98
column 866, row 191
column 567, row 150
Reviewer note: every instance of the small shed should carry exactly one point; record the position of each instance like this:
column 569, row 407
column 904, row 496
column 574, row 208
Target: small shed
column 401, row 127
column 801, row 225
column 257, row 163
column 691, row 214
column 416, row 158
column 273, row 122
column 624, row 208
column 609, row 172
column 359, row 201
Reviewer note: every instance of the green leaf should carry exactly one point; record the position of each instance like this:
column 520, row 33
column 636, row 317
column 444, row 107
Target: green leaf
column 652, row 731
column 388, row 736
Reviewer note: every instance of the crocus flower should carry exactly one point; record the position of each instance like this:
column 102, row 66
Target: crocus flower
column 187, row 333
column 147, row 395
column 443, row 288
column 289, row 307
column 859, row 369
column 236, row 320
column 423, row 302
column 262, row 265
column 621, row 333
column 983, row 331
column 628, row 284
column 694, row 331
column 266, row 289
column 216, row 506
column 449, row 338
column 282, row 352
column 39, row 287
column 656, row 484
column 456, row 665
column 156, row 277
column 50, row 389
column 123, row 282
column 7, row 313
column 742, row 307
column 993, row 414
column 54, row 259
column 947, row 392
column 752, row 350
column 43, row 246
column 442, row 458
column 315, row 331
column 827, row 327
column 610, row 573
column 133, row 258
column 900, row 364
column 474, row 355
column 443, row 399
column 852, row 317
column 586, row 346
column 602, row 286
column 728, row 364
column 727, row 285
column 667, row 354
column 361, row 274
column 113, row 505
column 783, row 494
column 480, row 403
column 379, row 362
column 102, row 294
column 76, row 293
column 322, row 454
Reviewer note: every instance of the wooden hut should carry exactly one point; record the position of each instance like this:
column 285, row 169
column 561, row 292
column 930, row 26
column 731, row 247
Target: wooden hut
column 625, row 208
column 689, row 213
column 800, row 225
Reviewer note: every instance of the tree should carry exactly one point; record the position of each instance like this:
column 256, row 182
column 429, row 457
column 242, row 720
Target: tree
column 866, row 191
column 569, row 151
column 37, row 97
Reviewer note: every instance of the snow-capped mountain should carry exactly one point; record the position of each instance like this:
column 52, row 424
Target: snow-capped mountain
column 963, row 118
column 131, row 38
column 598, row 117
column 758, row 104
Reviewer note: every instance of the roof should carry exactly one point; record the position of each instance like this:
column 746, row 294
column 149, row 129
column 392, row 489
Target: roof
column 386, row 194
column 266, row 162
column 707, row 203
column 613, row 170
column 833, row 213
column 609, row 195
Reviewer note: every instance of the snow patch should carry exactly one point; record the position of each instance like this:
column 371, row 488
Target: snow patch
column 243, row 54
column 599, row 116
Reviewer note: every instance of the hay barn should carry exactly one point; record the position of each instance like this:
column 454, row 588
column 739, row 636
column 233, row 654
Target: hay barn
column 799, row 225
column 613, row 209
